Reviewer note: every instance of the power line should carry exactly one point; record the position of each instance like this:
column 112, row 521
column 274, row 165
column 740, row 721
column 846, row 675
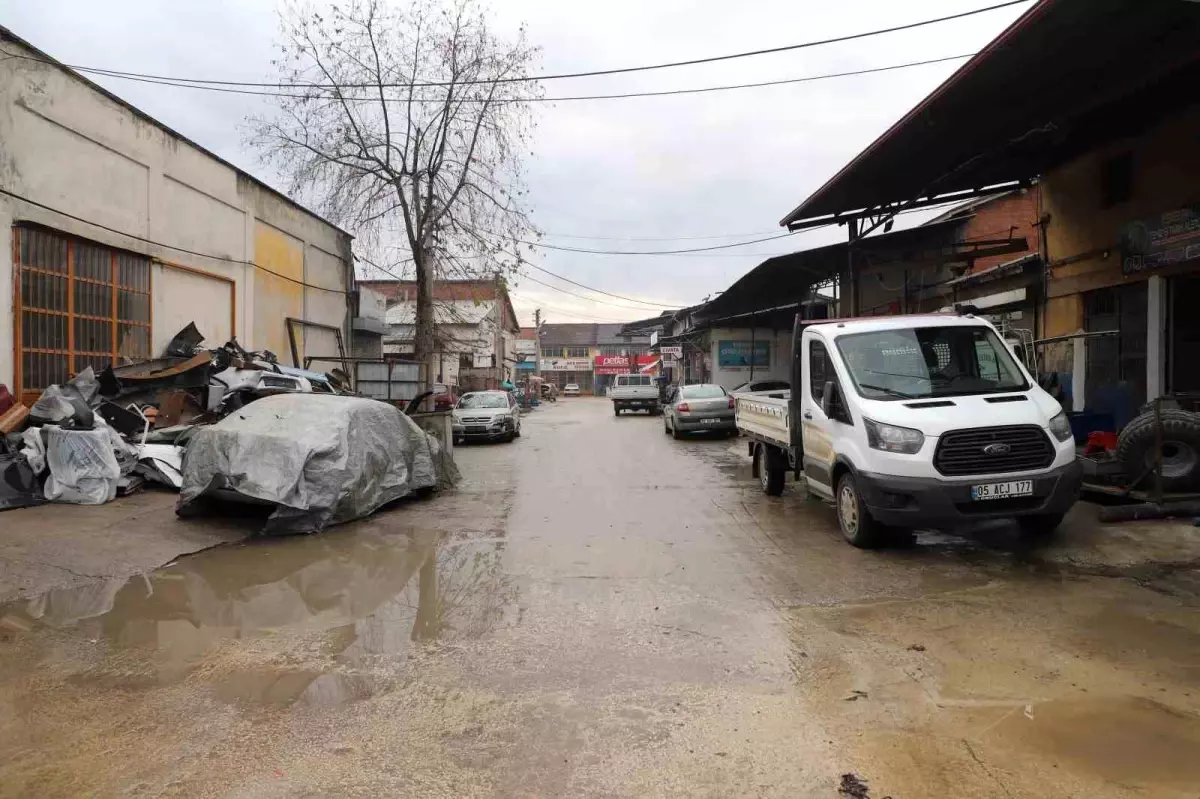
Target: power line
column 581, row 296
column 135, row 237
column 607, row 293
column 621, row 96
column 580, row 317
column 564, row 75
column 655, row 252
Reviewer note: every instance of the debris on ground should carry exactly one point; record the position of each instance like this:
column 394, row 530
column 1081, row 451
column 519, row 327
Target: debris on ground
column 854, row 787
column 19, row 484
column 916, row 647
column 97, row 437
column 13, row 419
column 855, row 695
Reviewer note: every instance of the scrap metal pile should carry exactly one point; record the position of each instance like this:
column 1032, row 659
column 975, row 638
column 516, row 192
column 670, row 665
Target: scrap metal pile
column 219, row 424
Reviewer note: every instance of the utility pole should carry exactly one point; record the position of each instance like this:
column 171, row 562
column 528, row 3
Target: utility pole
column 537, row 338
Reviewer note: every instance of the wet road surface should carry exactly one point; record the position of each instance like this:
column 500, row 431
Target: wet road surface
column 602, row 611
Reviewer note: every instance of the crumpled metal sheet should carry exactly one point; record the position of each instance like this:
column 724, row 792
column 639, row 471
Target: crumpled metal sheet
column 319, row 459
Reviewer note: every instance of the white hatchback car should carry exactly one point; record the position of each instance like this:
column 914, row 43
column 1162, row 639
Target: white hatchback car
column 571, row 390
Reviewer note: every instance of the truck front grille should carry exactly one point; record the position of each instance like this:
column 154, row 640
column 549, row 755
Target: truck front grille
column 964, row 452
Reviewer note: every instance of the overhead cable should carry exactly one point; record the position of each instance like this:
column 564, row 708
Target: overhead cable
column 580, row 74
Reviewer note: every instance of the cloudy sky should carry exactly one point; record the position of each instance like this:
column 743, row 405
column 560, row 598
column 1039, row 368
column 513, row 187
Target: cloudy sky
column 633, row 174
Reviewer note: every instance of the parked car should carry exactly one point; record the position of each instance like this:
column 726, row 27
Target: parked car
column 571, row 390
column 318, row 459
column 703, row 407
column 487, row 415
column 444, row 397
column 634, row 393
column 756, row 386
column 911, row 422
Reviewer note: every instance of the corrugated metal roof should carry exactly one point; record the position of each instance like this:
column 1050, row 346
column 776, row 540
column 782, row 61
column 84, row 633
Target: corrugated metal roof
column 1065, row 76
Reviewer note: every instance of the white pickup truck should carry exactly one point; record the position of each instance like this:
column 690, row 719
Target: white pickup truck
column 911, row 422
column 634, row 392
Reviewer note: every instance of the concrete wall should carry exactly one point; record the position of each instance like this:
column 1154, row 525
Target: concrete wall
column 780, row 349
column 67, row 145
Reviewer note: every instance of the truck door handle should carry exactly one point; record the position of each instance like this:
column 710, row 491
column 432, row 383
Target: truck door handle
column 808, row 414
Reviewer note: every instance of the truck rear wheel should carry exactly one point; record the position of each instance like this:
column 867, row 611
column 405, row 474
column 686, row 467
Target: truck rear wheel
column 771, row 474
column 616, row 410
column 857, row 525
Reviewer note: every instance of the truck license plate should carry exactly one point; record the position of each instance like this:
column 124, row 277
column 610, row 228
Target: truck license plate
column 1017, row 488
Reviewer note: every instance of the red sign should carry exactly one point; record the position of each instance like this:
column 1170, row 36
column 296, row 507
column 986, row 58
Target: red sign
column 619, row 364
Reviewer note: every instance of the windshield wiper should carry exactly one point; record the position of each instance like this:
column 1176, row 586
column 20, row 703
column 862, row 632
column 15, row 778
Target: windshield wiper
column 895, row 374
column 891, row 391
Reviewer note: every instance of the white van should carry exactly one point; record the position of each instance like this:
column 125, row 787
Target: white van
column 909, row 422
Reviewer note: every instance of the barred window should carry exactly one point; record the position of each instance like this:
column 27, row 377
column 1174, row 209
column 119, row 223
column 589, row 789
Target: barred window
column 81, row 304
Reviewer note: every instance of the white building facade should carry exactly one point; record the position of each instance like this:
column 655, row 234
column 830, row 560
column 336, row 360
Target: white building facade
column 116, row 232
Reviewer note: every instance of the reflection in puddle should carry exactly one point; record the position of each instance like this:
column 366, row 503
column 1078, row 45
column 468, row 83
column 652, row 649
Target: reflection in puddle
column 362, row 598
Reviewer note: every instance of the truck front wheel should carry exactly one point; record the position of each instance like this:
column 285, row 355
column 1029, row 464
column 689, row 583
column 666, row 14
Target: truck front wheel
column 857, row 525
column 1039, row 527
column 771, row 473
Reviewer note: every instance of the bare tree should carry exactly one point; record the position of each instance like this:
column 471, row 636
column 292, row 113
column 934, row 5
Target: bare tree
column 409, row 126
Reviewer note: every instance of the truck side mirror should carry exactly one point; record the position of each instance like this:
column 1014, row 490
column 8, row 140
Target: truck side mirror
column 827, row 395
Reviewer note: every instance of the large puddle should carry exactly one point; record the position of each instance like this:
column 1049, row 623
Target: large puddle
column 321, row 619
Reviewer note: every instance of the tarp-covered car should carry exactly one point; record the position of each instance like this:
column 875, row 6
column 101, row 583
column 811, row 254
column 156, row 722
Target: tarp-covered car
column 319, row 459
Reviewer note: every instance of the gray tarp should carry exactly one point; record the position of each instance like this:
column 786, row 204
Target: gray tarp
column 320, row 459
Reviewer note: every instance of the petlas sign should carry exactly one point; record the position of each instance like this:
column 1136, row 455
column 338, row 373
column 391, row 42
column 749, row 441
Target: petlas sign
column 620, row 364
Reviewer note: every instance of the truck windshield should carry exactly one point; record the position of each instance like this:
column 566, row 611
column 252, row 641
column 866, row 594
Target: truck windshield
column 929, row 362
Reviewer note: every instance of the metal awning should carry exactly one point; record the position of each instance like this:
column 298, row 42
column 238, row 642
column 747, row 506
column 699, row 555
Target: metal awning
column 778, row 286
column 1065, row 77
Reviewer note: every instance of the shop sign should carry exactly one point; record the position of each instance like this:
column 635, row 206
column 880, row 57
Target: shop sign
column 620, row 364
column 1169, row 238
column 743, row 354
column 566, row 365
column 674, row 352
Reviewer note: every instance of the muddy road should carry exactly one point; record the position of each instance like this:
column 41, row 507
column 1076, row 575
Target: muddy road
column 602, row 611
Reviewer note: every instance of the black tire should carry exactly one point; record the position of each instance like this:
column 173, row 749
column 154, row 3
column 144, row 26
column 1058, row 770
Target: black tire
column 1039, row 527
column 508, row 439
column 616, row 410
column 517, row 432
column 771, row 473
column 675, row 434
column 855, row 521
column 1181, row 449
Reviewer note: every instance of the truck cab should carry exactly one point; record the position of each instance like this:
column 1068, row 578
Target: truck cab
column 908, row 422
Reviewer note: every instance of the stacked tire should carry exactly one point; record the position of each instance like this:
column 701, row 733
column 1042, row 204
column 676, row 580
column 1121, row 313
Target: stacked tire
column 1136, row 448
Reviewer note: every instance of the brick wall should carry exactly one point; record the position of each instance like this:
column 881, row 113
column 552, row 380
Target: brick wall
column 993, row 220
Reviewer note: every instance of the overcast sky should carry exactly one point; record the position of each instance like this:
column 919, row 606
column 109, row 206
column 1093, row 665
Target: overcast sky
column 620, row 170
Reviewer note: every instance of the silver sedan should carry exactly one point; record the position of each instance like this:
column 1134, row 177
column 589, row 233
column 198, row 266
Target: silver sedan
column 703, row 407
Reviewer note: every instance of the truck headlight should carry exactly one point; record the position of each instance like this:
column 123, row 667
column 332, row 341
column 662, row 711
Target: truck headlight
column 890, row 438
column 1060, row 426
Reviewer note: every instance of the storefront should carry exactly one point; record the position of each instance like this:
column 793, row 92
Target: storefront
column 565, row 371
column 607, row 366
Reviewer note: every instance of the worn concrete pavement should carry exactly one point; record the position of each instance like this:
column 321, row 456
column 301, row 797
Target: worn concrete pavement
column 602, row 611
